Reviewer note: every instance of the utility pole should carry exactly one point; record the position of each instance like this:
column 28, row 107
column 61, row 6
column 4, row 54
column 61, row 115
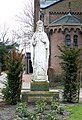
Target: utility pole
column 36, row 12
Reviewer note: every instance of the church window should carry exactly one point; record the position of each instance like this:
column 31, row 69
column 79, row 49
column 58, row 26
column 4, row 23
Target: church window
column 75, row 40
column 68, row 40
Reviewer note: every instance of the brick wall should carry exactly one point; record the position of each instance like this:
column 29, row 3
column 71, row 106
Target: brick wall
column 57, row 38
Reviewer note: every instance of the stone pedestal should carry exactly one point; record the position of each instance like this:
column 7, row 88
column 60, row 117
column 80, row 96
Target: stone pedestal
column 33, row 96
column 39, row 90
column 40, row 86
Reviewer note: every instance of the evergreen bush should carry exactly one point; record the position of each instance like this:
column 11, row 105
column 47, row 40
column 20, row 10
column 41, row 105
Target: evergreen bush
column 70, row 63
column 12, row 90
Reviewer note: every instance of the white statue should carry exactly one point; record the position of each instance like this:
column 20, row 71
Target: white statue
column 40, row 53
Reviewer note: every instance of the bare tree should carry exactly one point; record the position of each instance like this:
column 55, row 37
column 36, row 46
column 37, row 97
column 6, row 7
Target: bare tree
column 6, row 36
column 26, row 17
column 4, row 33
column 26, row 20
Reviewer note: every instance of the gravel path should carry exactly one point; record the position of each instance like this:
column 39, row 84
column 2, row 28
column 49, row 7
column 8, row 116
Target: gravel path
column 7, row 112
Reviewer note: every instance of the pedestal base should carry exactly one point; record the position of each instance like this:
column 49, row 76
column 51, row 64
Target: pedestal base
column 33, row 96
column 39, row 86
column 39, row 90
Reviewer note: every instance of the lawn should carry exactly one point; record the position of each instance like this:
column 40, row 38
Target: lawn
column 76, row 112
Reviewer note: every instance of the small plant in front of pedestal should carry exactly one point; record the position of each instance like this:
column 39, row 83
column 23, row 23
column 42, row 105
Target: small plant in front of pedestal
column 61, row 110
column 41, row 106
column 52, row 116
column 54, row 104
column 41, row 111
column 24, row 114
column 32, row 116
column 22, row 110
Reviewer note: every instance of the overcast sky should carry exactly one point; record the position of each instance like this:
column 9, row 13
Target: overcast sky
column 9, row 9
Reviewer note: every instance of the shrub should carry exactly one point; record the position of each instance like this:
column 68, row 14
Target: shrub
column 54, row 104
column 70, row 63
column 12, row 90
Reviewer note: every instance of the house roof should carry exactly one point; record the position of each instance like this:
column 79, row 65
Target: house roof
column 66, row 19
column 48, row 3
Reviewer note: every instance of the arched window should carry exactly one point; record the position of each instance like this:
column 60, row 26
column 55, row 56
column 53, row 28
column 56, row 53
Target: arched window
column 75, row 40
column 68, row 40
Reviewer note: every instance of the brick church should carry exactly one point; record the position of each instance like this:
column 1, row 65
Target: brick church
column 63, row 24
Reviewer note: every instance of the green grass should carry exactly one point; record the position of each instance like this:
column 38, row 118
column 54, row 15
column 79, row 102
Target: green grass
column 76, row 112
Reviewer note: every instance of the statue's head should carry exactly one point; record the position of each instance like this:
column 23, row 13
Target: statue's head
column 40, row 26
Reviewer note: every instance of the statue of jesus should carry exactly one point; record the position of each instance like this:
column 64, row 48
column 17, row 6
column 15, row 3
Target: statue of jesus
column 40, row 53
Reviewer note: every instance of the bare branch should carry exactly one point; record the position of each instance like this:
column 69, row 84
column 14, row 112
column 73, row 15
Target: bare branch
column 4, row 33
column 27, row 15
column 26, row 19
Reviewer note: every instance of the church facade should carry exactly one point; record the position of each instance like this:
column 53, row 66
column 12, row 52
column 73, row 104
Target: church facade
column 63, row 24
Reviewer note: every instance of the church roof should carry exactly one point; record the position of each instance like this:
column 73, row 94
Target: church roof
column 67, row 19
column 44, row 4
